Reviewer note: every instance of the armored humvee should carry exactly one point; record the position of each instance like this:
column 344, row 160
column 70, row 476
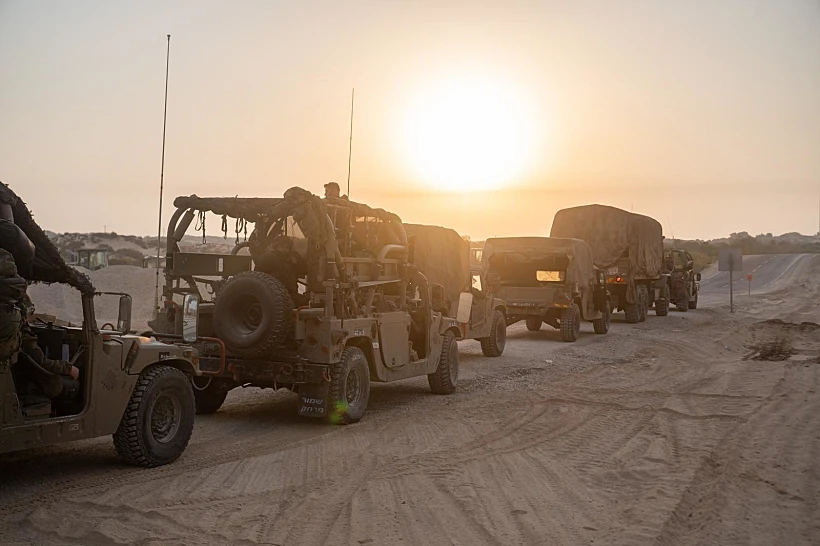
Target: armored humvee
column 546, row 279
column 683, row 281
column 628, row 247
column 135, row 388
column 447, row 259
column 319, row 299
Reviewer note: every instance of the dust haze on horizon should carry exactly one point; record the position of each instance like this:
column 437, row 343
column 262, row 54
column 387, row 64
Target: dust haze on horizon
column 477, row 116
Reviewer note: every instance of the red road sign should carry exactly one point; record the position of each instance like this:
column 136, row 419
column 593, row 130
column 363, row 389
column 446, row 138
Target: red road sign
column 749, row 277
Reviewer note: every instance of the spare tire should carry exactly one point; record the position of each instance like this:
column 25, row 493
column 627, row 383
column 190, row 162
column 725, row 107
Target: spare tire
column 252, row 314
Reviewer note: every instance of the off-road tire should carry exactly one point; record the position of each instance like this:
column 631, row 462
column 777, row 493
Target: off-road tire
column 347, row 401
column 534, row 323
column 601, row 325
column 662, row 304
column 136, row 438
column 693, row 304
column 683, row 306
column 570, row 323
column 493, row 345
column 210, row 398
column 643, row 301
column 252, row 314
column 632, row 311
column 443, row 380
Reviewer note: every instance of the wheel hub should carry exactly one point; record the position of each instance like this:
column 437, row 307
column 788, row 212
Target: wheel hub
column 165, row 418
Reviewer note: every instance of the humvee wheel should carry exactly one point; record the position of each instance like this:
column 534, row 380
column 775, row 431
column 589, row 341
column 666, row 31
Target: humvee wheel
column 158, row 420
column 208, row 395
column 601, row 325
column 693, row 304
column 493, row 345
column 662, row 305
column 643, row 302
column 443, row 380
column 534, row 324
column 570, row 323
column 683, row 305
column 349, row 390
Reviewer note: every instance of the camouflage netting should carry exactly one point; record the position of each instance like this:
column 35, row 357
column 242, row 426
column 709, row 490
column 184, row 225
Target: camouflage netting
column 442, row 255
column 612, row 233
column 47, row 266
column 506, row 253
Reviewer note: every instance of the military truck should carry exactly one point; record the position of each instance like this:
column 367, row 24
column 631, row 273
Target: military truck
column 445, row 258
column 628, row 247
column 548, row 280
column 320, row 299
column 684, row 283
column 136, row 389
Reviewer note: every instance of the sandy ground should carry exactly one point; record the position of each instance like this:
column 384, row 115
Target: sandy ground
column 698, row 428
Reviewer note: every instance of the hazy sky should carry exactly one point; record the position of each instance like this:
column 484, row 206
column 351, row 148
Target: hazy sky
column 702, row 114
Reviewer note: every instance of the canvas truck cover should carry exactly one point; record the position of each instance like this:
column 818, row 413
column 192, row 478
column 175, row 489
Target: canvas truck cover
column 611, row 233
column 442, row 255
column 506, row 251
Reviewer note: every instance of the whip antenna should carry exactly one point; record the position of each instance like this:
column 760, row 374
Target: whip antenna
column 162, row 169
column 350, row 146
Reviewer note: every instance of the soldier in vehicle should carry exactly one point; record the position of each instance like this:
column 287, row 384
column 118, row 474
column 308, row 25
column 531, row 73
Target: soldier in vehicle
column 332, row 189
column 51, row 377
column 282, row 262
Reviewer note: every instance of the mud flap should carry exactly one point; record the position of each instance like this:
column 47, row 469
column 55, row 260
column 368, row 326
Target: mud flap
column 313, row 399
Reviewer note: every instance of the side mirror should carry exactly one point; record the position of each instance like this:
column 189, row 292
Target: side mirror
column 438, row 299
column 494, row 282
column 697, row 276
column 124, row 315
column 190, row 318
column 690, row 264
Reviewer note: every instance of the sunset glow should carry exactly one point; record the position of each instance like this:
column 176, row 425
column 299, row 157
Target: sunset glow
column 470, row 134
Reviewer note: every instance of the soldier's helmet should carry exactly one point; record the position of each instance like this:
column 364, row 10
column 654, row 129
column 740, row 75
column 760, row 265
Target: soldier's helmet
column 332, row 189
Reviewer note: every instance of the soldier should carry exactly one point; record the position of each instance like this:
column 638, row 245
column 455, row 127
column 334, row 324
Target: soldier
column 332, row 189
column 53, row 377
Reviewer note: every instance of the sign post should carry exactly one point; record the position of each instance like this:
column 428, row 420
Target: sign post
column 731, row 260
column 749, row 278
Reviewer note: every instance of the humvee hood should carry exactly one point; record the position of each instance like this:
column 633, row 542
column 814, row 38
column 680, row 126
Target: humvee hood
column 47, row 266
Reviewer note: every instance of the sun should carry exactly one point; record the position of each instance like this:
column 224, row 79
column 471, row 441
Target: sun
column 468, row 135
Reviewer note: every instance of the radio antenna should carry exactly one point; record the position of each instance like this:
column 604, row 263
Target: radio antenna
column 162, row 169
column 350, row 145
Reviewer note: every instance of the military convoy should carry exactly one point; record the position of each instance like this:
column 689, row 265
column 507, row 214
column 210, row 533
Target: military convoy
column 324, row 297
column 549, row 280
column 324, row 304
column 134, row 388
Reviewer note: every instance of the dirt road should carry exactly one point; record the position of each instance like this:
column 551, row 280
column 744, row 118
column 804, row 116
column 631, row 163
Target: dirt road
column 697, row 428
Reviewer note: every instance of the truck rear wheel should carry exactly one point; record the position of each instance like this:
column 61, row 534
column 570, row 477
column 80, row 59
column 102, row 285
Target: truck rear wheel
column 252, row 314
column 349, row 390
column 601, row 325
column 570, row 323
column 443, row 380
column 632, row 311
column 208, row 395
column 158, row 420
column 534, row 323
column 643, row 301
column 493, row 345
column 693, row 304
column 662, row 304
